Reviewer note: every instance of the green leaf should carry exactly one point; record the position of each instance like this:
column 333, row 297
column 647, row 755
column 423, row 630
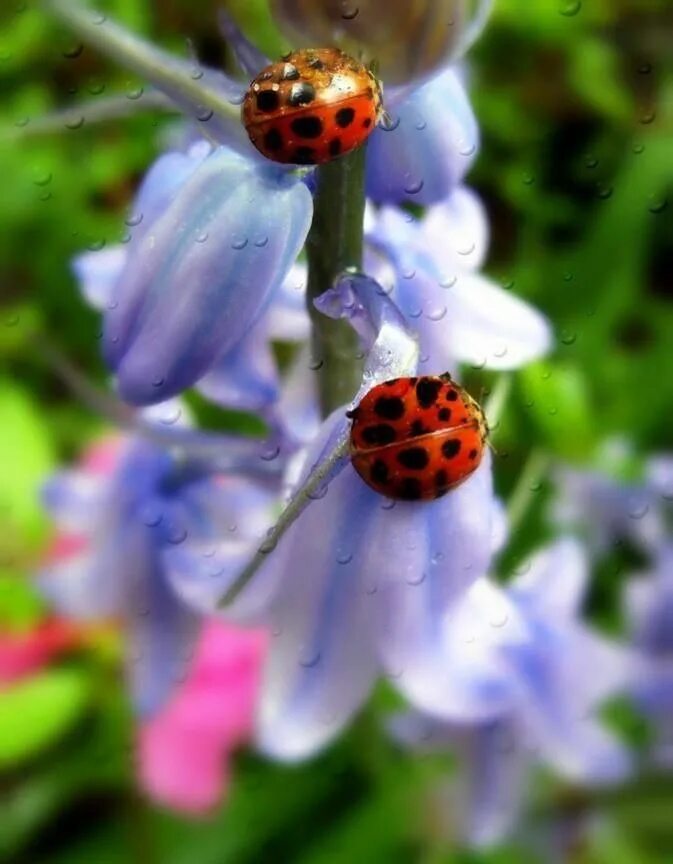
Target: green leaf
column 37, row 712
column 557, row 398
column 25, row 459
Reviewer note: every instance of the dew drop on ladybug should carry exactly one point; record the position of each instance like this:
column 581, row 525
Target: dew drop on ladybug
column 415, row 439
column 311, row 107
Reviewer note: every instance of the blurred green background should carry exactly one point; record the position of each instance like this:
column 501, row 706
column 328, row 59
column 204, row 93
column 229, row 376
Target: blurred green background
column 575, row 100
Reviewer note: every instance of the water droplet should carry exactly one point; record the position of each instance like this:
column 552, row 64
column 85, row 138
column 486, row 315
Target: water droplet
column 309, row 658
column 590, row 161
column 239, row 243
column 133, row 219
column 317, row 494
column 43, row 179
column 500, row 621
column 568, row 277
column 176, row 535
column 638, row 510
column 648, row 117
column 270, row 454
column 134, row 93
column 261, row 242
column 349, row 12
column 74, row 51
column 99, row 18
column 437, row 314
column 344, row 558
column 416, row 578
column 638, row 148
column 569, row 8
column 314, row 364
column 468, row 149
column 528, row 179
column 204, row 114
column 74, row 122
column 95, row 87
column 414, row 187
column 151, row 515
column 604, row 192
column 201, row 237
column 657, row 205
column 389, row 123
column 196, row 74
column 22, row 122
column 158, row 381
column 568, row 337
column 95, row 245
column 421, row 124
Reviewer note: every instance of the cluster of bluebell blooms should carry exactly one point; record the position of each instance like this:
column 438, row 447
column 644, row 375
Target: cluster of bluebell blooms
column 357, row 586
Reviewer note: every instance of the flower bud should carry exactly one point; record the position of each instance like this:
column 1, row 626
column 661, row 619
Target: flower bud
column 407, row 39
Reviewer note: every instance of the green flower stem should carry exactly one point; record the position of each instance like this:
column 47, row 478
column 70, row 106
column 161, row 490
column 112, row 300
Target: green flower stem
column 335, row 243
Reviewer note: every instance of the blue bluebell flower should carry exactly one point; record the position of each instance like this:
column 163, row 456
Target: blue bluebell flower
column 649, row 609
column 518, row 680
column 430, row 268
column 117, row 514
column 408, row 42
column 212, row 243
column 604, row 509
column 356, row 576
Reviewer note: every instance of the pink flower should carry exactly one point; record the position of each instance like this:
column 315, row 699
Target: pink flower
column 184, row 749
column 21, row 654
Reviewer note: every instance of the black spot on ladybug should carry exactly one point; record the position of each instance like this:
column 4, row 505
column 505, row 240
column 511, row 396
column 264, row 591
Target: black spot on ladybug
column 316, row 63
column 427, row 391
column 391, row 383
column 412, row 381
column 304, row 156
column 472, row 454
column 344, row 117
column 367, row 123
column 444, row 414
column 379, row 472
column 334, row 147
column 307, row 127
column 302, row 93
column 451, row 396
column 410, row 489
column 273, row 140
column 451, row 448
column 268, row 100
column 441, row 480
column 379, row 435
column 290, row 72
column 390, row 408
column 415, row 458
column 418, row 428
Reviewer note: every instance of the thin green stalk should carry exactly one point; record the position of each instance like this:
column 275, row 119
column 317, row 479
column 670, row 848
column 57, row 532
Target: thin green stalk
column 527, row 488
column 335, row 243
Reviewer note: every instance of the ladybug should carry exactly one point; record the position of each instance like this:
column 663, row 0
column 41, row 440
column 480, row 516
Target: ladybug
column 415, row 439
column 311, row 107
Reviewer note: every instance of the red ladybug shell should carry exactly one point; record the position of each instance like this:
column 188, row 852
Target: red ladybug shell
column 417, row 438
column 311, row 107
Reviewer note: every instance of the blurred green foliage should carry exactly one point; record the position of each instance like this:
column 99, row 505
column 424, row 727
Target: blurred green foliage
column 575, row 100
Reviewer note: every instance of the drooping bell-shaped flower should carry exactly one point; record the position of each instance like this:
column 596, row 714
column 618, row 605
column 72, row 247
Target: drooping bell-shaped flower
column 518, row 680
column 243, row 377
column 355, row 575
column 423, row 152
column 201, row 274
column 407, row 40
column 649, row 609
column 430, row 268
column 116, row 515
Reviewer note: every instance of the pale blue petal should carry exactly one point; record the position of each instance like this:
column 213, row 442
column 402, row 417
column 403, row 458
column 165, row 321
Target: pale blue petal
column 553, row 583
column 321, row 661
column 245, row 378
column 72, row 499
column 98, row 273
column 430, row 148
column 199, row 279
